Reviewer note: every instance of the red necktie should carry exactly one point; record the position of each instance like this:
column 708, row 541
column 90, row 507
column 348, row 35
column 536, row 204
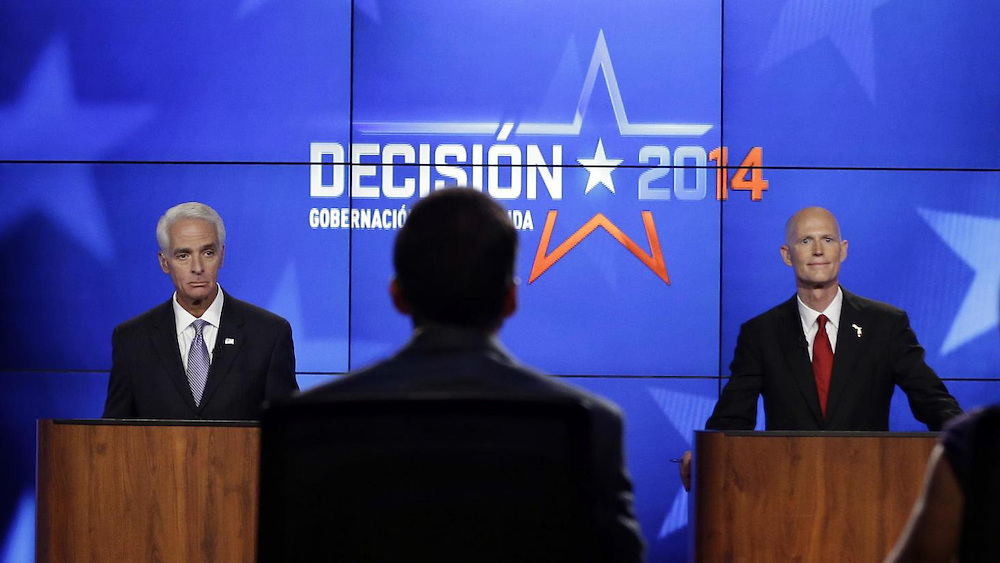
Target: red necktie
column 822, row 362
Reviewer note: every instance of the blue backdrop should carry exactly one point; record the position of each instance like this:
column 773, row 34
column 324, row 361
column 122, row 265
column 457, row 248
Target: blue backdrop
column 313, row 126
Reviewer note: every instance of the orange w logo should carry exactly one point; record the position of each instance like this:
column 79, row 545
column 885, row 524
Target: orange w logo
column 653, row 260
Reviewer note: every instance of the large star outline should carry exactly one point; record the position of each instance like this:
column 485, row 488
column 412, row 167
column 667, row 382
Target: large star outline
column 600, row 167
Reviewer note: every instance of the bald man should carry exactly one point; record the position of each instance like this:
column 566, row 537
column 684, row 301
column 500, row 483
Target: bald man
column 827, row 359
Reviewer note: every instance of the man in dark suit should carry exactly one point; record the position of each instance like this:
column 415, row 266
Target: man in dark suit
column 203, row 354
column 826, row 359
column 454, row 265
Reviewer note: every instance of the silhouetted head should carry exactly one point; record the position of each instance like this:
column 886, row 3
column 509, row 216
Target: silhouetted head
column 454, row 261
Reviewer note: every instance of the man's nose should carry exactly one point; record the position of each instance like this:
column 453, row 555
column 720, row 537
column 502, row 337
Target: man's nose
column 197, row 265
column 817, row 249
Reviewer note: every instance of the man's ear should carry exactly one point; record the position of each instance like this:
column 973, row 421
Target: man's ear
column 510, row 301
column 843, row 250
column 398, row 300
column 786, row 257
column 222, row 255
column 163, row 262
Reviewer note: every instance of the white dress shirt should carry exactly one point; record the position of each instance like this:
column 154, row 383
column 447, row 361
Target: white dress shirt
column 185, row 332
column 810, row 323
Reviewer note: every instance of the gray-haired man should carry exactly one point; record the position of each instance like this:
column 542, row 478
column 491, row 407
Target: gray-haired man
column 203, row 354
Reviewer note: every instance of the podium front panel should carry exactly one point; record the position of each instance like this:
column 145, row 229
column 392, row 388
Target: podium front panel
column 796, row 496
column 147, row 490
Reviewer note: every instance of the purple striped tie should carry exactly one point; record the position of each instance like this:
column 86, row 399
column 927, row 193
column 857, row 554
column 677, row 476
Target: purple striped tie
column 198, row 362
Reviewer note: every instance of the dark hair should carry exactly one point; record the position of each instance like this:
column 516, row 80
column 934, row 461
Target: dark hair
column 454, row 259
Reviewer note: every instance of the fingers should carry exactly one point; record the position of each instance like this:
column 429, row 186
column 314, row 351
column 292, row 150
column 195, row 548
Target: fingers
column 685, row 469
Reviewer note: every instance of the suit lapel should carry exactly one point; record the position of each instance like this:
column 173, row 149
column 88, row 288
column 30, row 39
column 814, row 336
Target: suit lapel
column 231, row 332
column 849, row 348
column 796, row 353
column 164, row 336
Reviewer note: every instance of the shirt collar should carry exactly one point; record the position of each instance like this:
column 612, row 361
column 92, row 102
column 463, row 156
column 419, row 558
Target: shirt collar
column 213, row 314
column 832, row 311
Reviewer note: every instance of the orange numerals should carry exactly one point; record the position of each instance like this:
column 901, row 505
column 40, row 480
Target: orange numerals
column 751, row 166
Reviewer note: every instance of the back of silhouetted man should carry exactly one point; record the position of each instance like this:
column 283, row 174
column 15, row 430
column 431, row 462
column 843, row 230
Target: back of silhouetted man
column 454, row 276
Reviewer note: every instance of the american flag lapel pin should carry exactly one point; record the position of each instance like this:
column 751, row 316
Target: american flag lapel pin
column 232, row 341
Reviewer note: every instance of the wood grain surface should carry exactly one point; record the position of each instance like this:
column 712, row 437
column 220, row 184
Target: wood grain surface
column 115, row 492
column 804, row 498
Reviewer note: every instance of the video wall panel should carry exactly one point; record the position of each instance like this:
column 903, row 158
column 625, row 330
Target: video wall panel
column 660, row 413
column 922, row 241
column 647, row 129
column 79, row 244
column 879, row 84
column 167, row 81
column 971, row 394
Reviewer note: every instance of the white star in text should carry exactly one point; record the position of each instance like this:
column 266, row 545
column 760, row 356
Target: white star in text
column 600, row 168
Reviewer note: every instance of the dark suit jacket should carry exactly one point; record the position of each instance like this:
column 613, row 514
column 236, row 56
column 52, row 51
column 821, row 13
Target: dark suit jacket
column 148, row 378
column 772, row 358
column 449, row 360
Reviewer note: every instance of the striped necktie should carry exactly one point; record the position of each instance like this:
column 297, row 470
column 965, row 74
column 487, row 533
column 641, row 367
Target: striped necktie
column 198, row 362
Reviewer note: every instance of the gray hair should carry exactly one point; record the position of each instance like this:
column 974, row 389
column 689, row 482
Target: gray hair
column 189, row 210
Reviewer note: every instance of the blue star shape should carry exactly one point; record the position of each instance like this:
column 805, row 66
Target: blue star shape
column 975, row 240
column 685, row 412
column 47, row 123
column 847, row 23
column 287, row 302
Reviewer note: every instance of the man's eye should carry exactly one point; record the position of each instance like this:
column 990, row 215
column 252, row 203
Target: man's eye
column 182, row 256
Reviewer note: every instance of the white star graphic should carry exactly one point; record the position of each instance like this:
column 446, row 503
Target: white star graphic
column 975, row 240
column 47, row 123
column 848, row 24
column 600, row 168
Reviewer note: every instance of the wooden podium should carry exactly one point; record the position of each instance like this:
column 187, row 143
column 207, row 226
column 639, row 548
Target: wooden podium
column 800, row 496
column 147, row 491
